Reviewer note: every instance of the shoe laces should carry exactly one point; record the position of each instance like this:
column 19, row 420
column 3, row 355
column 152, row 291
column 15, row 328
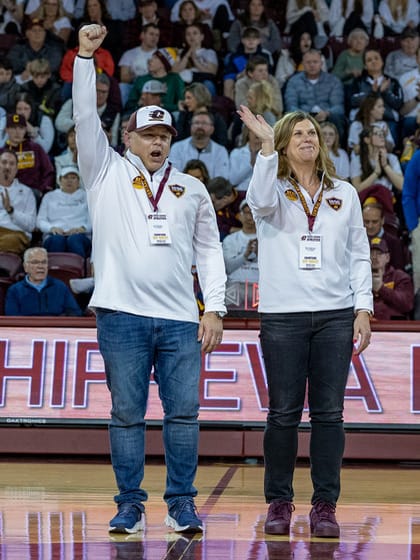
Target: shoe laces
column 281, row 509
column 186, row 506
column 324, row 509
column 126, row 508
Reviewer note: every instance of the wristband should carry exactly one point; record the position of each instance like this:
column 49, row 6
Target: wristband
column 84, row 57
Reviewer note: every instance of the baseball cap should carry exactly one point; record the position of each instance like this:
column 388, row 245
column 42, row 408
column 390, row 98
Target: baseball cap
column 69, row 169
column 154, row 86
column 150, row 115
column 380, row 244
column 32, row 22
column 15, row 120
column 167, row 56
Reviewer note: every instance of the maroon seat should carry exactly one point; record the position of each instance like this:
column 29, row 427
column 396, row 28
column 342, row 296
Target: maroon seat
column 65, row 266
column 10, row 265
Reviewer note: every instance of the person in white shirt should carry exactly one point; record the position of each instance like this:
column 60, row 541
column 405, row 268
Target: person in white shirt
column 150, row 222
column 410, row 83
column 63, row 216
column 240, row 251
column 337, row 155
column 200, row 146
column 315, row 291
column 242, row 160
column 17, row 207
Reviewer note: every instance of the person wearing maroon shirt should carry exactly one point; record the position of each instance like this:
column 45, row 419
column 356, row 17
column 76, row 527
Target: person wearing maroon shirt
column 393, row 292
column 34, row 166
column 226, row 201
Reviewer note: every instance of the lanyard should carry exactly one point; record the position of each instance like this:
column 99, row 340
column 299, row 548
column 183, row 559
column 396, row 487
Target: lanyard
column 154, row 201
column 310, row 215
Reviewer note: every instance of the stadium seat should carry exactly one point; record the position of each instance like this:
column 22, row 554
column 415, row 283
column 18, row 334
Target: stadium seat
column 65, row 266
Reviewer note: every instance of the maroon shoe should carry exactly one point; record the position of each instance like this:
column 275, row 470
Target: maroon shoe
column 323, row 521
column 278, row 518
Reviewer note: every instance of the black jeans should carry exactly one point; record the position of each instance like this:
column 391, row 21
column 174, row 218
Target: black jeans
column 313, row 348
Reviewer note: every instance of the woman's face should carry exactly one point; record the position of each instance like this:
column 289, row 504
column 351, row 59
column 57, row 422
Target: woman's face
column 23, row 108
column 303, row 146
column 251, row 98
column 94, row 10
column 187, row 13
column 378, row 110
column 193, row 37
column 328, row 134
column 190, row 101
column 305, row 42
column 51, row 8
column 196, row 173
column 373, row 62
column 256, row 9
column 377, row 138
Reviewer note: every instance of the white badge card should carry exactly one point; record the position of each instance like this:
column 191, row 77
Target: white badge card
column 310, row 252
column 158, row 227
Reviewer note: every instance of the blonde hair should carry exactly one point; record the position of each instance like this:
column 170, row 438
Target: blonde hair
column 39, row 66
column 283, row 130
column 264, row 97
column 394, row 6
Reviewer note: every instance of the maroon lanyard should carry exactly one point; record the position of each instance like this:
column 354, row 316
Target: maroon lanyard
column 310, row 215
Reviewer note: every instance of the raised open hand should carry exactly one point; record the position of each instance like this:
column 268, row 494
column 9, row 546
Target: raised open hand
column 257, row 124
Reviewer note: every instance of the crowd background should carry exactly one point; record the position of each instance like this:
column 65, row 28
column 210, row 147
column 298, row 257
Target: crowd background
column 355, row 66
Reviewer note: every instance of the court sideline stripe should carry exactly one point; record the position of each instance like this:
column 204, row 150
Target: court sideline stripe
column 218, row 490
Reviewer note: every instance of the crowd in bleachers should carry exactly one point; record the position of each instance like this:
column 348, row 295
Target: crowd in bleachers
column 354, row 65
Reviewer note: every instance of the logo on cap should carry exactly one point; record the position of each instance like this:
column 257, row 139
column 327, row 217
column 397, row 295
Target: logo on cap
column 157, row 115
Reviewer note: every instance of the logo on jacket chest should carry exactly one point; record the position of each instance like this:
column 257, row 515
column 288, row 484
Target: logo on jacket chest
column 291, row 195
column 334, row 203
column 177, row 190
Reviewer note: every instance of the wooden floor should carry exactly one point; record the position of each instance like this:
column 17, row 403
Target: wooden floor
column 59, row 510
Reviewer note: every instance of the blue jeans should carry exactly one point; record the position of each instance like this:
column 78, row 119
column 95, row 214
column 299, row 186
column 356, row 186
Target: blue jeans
column 300, row 349
column 79, row 243
column 130, row 345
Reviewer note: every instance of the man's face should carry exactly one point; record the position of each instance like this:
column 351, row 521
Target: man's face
column 250, row 43
column 41, row 78
column 102, row 92
column 16, row 134
column 148, row 10
column 150, row 38
column 147, row 98
column 409, row 45
column 312, row 64
column 201, row 127
column 8, row 168
column 152, row 145
column 373, row 220
column 5, row 75
column 36, row 267
column 69, row 183
column 259, row 73
column 36, row 35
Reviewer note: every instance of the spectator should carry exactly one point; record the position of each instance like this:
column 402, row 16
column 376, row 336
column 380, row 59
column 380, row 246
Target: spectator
column 255, row 15
column 240, row 251
column 349, row 63
column 410, row 83
column 235, row 63
column 310, row 16
column 160, row 66
column 8, row 85
column 189, row 14
column 197, row 98
column 373, row 80
column 290, row 60
column 374, row 220
column 200, row 146
column 411, row 208
column 226, row 201
column 152, row 93
column 371, row 112
column 147, row 12
column 337, row 155
column 195, row 63
column 63, row 216
column 39, row 294
column 393, row 295
column 374, row 164
column 42, row 88
column 17, row 208
column 37, row 44
column 11, row 16
column 396, row 15
column 216, row 13
column 197, row 169
column 54, row 19
column 344, row 16
column 133, row 62
column 109, row 116
column 34, row 166
column 316, row 92
column 260, row 100
column 32, row 7
column 39, row 126
column 242, row 160
column 402, row 60
column 256, row 70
